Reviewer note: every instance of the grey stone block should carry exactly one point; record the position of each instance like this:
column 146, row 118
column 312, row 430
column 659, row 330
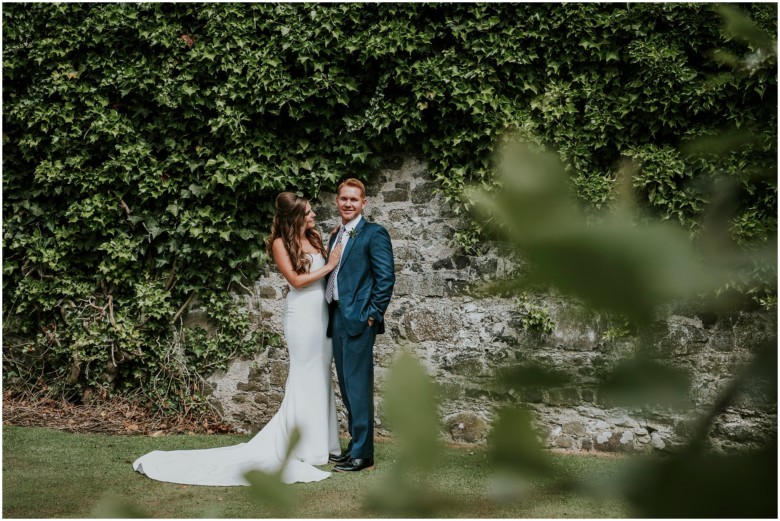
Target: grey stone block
column 443, row 264
column 396, row 196
column 423, row 193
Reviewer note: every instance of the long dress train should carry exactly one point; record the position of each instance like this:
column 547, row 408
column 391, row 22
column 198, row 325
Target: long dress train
column 309, row 403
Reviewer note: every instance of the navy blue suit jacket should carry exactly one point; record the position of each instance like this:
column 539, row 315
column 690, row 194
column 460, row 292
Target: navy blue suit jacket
column 366, row 277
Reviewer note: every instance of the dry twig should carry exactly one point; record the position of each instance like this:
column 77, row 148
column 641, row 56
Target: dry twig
column 115, row 416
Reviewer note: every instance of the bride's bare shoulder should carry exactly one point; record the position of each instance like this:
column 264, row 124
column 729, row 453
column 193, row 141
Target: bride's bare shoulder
column 279, row 247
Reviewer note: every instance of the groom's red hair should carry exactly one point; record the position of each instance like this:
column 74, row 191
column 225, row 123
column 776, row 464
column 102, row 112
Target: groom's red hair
column 352, row 182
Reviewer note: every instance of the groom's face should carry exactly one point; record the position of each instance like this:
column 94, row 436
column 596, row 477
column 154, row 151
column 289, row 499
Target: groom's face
column 350, row 202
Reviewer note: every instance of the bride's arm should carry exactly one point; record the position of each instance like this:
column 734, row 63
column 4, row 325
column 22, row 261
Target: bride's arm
column 299, row 280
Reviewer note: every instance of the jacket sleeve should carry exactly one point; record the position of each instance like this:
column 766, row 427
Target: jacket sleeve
column 383, row 272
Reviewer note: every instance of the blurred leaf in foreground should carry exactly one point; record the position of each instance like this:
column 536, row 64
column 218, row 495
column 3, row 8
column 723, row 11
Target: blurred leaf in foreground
column 759, row 374
column 737, row 24
column 271, row 490
column 516, row 452
column 695, row 482
column 412, row 414
column 515, row 446
column 532, row 376
column 696, row 485
column 268, row 487
column 640, row 382
column 615, row 265
column 114, row 508
column 724, row 142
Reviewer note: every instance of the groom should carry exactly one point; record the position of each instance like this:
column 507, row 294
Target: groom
column 358, row 292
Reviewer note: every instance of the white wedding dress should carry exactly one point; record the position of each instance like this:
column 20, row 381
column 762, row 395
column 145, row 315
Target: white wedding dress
column 309, row 403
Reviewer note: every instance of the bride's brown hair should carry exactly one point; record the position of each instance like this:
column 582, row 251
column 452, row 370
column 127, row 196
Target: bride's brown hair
column 289, row 220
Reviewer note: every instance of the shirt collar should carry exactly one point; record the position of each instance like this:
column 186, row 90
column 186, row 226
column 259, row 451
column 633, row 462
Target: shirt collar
column 353, row 223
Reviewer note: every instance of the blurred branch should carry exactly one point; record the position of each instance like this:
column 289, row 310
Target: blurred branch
column 184, row 306
column 763, row 365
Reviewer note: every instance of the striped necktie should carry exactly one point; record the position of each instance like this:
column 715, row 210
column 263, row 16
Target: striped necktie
column 332, row 279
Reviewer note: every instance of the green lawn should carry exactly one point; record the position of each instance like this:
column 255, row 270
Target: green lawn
column 48, row 473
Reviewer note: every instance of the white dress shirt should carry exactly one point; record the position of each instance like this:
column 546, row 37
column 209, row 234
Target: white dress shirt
column 344, row 240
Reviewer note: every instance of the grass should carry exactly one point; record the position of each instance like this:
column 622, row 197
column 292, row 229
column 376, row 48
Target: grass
column 53, row 474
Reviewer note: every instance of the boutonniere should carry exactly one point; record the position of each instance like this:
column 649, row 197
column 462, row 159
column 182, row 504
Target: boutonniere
column 352, row 233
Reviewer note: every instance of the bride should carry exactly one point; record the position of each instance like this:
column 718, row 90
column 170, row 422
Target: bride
column 309, row 401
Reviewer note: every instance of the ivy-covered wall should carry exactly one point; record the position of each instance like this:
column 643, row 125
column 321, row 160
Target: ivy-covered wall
column 143, row 145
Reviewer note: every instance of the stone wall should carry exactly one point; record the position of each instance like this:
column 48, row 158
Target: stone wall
column 463, row 340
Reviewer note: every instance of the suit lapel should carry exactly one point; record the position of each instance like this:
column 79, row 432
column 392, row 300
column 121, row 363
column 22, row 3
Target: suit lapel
column 352, row 240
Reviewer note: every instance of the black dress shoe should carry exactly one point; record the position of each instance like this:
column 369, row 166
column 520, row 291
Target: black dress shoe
column 339, row 458
column 355, row 464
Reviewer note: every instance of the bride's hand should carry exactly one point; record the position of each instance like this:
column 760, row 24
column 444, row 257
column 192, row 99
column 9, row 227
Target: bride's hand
column 334, row 256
